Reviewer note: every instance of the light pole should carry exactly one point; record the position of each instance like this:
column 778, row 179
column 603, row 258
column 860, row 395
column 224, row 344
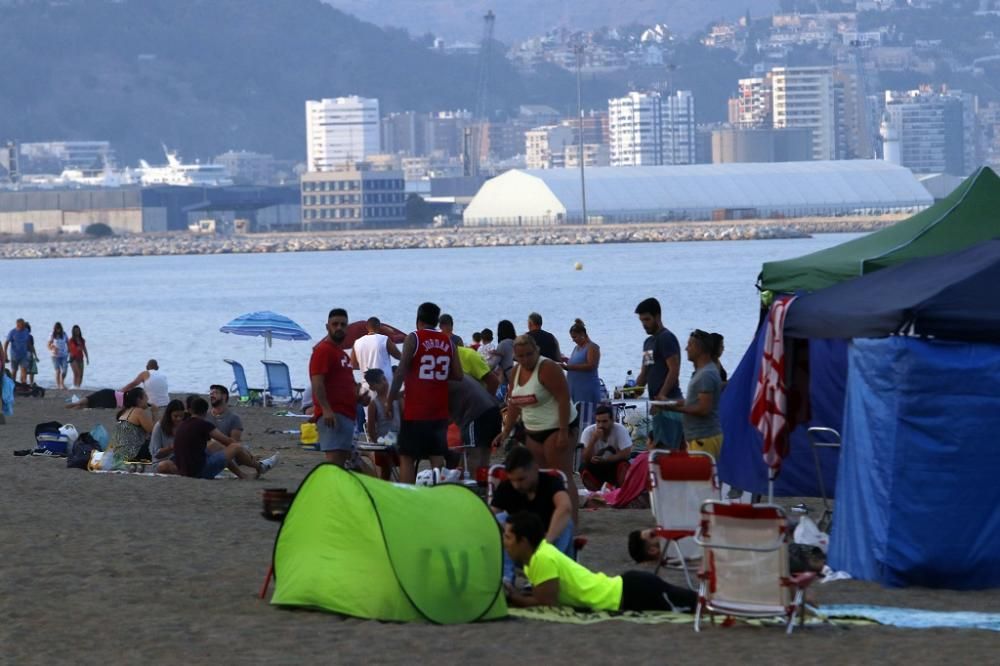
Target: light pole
column 579, row 129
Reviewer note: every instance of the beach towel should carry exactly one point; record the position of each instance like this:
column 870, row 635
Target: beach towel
column 635, row 484
column 911, row 618
column 768, row 413
column 566, row 615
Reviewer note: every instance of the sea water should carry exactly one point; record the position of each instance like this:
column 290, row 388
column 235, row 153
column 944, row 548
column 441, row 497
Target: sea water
column 132, row 309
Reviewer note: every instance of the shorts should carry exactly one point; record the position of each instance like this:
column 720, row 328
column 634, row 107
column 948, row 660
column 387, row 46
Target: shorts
column 539, row 436
column 214, row 463
column 484, row 429
column 60, row 363
column 710, row 445
column 103, row 399
column 423, row 439
column 20, row 362
column 338, row 438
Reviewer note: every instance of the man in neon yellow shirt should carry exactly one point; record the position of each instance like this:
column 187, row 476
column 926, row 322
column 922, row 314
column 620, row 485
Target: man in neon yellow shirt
column 557, row 580
column 474, row 366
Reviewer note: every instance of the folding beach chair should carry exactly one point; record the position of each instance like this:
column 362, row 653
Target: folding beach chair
column 279, row 383
column 823, row 438
column 247, row 395
column 679, row 481
column 744, row 571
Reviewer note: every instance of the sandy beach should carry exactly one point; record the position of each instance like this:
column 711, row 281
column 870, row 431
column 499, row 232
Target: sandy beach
column 98, row 568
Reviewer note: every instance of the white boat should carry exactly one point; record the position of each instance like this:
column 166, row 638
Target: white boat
column 175, row 172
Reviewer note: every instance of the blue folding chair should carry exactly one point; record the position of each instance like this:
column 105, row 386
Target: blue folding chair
column 279, row 383
column 247, row 395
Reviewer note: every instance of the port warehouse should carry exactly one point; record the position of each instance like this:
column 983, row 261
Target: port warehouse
column 540, row 197
column 147, row 209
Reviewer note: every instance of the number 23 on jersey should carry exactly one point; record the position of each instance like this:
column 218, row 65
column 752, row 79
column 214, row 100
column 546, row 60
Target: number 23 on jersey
column 434, row 367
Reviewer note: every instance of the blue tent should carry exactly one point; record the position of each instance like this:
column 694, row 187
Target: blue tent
column 916, row 490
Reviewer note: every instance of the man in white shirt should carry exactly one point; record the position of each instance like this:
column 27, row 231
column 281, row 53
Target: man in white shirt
column 374, row 350
column 154, row 383
column 607, row 448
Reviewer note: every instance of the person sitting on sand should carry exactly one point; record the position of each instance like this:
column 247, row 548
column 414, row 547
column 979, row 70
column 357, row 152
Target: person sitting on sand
column 558, row 580
column 227, row 421
column 132, row 427
column 191, row 454
column 161, row 443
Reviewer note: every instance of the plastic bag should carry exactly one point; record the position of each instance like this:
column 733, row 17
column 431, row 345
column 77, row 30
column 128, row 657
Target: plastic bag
column 100, row 435
column 71, row 433
column 808, row 534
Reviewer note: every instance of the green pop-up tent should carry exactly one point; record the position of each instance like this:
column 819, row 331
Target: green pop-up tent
column 969, row 215
column 356, row 545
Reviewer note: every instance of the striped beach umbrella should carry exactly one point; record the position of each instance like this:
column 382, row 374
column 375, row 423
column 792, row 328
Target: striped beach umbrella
column 268, row 325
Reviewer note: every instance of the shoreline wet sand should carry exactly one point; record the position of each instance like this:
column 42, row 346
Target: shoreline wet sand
column 160, row 570
column 183, row 243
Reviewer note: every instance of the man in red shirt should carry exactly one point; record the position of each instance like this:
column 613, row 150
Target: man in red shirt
column 335, row 393
column 427, row 363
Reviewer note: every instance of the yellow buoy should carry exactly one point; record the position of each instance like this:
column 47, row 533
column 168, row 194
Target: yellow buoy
column 578, row 266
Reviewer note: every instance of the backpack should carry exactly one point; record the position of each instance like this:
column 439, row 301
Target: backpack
column 82, row 449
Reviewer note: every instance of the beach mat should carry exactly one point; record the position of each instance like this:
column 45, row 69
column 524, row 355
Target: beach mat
column 912, row 618
column 566, row 615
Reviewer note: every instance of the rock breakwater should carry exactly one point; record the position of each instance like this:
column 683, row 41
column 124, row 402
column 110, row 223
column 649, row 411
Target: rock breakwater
column 182, row 243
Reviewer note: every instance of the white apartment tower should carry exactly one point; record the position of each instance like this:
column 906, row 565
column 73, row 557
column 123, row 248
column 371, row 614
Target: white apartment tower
column 804, row 97
column 341, row 132
column 678, row 128
column 635, row 125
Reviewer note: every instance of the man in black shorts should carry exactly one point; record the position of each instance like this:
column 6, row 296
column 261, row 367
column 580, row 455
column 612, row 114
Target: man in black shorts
column 427, row 363
column 476, row 412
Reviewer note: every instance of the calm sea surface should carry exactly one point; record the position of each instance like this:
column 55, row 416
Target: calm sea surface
column 170, row 308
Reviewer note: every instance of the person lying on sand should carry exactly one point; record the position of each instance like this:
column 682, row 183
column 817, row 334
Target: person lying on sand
column 103, row 399
column 557, row 580
column 191, row 457
column 645, row 546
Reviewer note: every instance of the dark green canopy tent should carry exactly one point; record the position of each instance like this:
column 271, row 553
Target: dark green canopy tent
column 969, row 215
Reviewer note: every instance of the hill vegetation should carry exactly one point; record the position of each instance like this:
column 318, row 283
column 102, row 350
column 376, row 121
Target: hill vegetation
column 205, row 76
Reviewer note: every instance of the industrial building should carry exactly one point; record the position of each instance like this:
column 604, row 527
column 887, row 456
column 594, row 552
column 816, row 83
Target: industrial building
column 697, row 192
column 152, row 209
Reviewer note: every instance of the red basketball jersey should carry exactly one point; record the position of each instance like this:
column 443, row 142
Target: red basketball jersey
column 427, row 378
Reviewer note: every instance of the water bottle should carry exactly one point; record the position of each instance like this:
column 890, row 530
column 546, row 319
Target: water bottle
column 629, row 380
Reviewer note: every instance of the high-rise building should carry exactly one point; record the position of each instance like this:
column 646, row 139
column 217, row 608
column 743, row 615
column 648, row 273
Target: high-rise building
column 930, row 132
column 753, row 103
column 445, row 132
column 403, row 134
column 635, row 125
column 678, row 128
column 545, row 147
column 805, row 97
column 341, row 132
column 649, row 129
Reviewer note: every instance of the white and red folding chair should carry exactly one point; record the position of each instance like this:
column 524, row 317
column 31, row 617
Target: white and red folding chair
column 744, row 571
column 679, row 481
column 498, row 474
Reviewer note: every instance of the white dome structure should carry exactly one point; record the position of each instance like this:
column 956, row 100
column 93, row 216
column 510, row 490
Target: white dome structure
column 542, row 197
